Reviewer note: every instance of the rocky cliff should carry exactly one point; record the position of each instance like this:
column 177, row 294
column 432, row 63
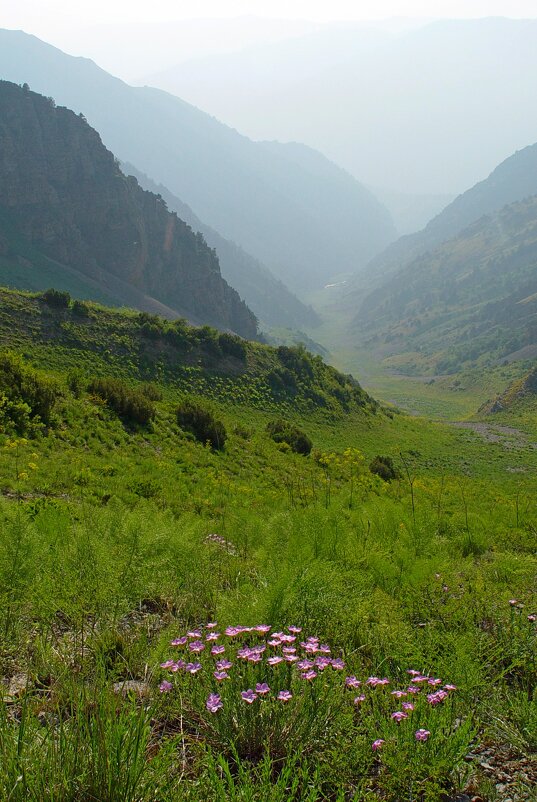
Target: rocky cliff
column 65, row 193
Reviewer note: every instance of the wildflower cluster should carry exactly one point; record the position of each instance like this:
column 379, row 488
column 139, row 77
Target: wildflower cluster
column 257, row 684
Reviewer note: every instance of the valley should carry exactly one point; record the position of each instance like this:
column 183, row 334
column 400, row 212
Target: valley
column 268, row 521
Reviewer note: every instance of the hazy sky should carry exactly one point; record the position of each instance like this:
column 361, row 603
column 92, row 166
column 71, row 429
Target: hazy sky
column 43, row 17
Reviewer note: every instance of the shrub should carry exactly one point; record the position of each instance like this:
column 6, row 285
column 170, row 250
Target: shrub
column 151, row 391
column 131, row 404
column 28, row 398
column 58, row 299
column 80, row 309
column 384, row 467
column 202, row 423
column 232, row 346
column 284, row 432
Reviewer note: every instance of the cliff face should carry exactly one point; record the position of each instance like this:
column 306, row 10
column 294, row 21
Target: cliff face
column 69, row 198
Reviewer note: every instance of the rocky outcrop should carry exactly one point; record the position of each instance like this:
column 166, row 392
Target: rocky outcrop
column 66, row 195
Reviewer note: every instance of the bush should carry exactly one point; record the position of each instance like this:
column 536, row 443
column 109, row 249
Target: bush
column 28, row 398
column 384, row 467
column 80, row 309
column 151, row 391
column 202, row 423
column 131, row 404
column 58, row 299
column 232, row 346
column 283, row 432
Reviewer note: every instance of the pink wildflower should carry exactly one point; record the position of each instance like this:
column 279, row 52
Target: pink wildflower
column 359, row 699
column 375, row 746
column 352, row 682
column 450, row 687
column 399, row 694
column 179, row 641
column 532, row 618
column 422, row 735
column 291, row 658
column 407, row 706
column 309, row 675
column 211, row 625
column 167, row 664
column 165, row 686
column 338, row 664
column 262, row 688
column 214, row 703
column 196, row 646
column 193, row 668
column 212, row 636
column 262, row 628
column 273, row 661
column 195, row 633
column 218, row 649
column 223, row 665
column 285, row 696
column 220, row 675
column 399, row 716
column 304, row 665
column 436, row 698
column 294, row 630
column 249, row 696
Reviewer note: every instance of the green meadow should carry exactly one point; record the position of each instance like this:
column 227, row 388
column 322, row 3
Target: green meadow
column 380, row 630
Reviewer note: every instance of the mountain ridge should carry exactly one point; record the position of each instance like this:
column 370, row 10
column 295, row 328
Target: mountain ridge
column 63, row 192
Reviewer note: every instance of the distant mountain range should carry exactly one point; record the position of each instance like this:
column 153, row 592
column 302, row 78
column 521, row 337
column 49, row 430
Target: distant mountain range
column 424, row 111
column 269, row 299
column 290, row 207
column 71, row 219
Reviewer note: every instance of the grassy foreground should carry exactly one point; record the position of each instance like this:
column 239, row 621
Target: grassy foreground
column 381, row 635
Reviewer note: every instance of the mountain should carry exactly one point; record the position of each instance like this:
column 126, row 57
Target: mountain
column 426, row 111
column 471, row 300
column 514, row 179
column 63, row 194
column 303, row 217
column 270, row 300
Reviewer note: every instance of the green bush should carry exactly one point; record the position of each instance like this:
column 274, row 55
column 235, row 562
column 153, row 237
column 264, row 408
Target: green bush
column 151, row 391
column 80, row 309
column 231, row 345
column 57, row 298
column 27, row 398
column 282, row 431
column 384, row 467
column 130, row 404
column 201, row 422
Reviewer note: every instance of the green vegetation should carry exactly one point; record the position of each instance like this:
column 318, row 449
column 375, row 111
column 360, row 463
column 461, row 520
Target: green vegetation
column 200, row 421
column 117, row 542
column 282, row 431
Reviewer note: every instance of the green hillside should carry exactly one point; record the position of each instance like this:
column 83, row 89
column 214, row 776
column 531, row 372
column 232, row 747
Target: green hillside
column 470, row 302
column 123, row 530
column 513, row 180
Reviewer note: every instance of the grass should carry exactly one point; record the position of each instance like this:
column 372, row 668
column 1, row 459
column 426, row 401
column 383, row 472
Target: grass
column 119, row 538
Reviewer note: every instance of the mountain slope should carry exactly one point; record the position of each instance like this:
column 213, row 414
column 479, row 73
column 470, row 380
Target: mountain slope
column 267, row 297
column 514, row 179
column 471, row 300
column 243, row 189
column 62, row 193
